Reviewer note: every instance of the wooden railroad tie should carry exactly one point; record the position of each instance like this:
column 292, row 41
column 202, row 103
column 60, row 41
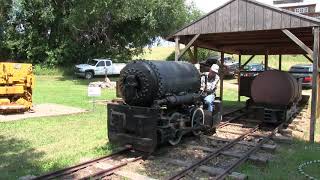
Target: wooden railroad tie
column 253, row 158
column 122, row 173
column 211, row 170
column 266, row 147
column 278, row 138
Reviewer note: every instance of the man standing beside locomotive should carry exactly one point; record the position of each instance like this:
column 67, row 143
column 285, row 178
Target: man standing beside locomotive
column 211, row 86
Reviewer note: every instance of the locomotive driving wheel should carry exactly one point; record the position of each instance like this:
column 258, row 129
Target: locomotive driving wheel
column 197, row 121
column 177, row 138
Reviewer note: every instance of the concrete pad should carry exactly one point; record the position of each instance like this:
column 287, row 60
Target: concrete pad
column 43, row 110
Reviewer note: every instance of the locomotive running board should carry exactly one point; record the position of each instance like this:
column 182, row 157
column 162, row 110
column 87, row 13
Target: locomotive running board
column 131, row 125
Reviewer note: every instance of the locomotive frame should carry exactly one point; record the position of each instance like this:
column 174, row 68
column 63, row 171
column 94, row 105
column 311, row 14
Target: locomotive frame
column 145, row 128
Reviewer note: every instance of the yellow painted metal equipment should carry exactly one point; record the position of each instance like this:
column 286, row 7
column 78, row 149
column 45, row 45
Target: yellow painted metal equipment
column 16, row 85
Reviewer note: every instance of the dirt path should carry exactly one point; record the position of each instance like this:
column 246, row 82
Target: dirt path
column 43, row 110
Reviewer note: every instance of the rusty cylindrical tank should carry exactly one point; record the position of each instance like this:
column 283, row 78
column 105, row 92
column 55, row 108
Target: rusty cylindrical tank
column 275, row 88
column 141, row 82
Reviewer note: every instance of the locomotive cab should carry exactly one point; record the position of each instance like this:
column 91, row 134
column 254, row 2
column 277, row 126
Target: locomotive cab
column 162, row 102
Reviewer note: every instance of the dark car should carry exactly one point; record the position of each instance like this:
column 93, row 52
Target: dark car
column 303, row 71
column 231, row 67
column 252, row 67
column 255, row 67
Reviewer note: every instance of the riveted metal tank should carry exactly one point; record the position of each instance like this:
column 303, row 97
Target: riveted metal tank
column 141, row 82
column 275, row 88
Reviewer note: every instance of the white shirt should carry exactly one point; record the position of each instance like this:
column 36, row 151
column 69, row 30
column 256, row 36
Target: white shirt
column 211, row 84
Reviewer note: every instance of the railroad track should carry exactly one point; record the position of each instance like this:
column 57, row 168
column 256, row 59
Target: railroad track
column 214, row 153
column 247, row 135
column 96, row 169
column 232, row 116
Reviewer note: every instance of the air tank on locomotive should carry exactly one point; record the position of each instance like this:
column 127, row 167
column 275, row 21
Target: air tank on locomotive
column 162, row 102
column 143, row 82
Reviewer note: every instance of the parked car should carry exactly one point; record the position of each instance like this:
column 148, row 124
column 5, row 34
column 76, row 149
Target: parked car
column 303, row 71
column 231, row 67
column 98, row 67
column 252, row 67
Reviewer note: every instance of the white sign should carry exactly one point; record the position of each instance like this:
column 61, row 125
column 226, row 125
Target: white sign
column 94, row 91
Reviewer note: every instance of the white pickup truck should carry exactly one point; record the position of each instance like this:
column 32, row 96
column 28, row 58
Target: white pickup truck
column 98, row 67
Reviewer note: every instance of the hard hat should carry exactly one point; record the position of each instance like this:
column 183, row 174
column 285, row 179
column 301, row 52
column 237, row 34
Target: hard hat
column 215, row 68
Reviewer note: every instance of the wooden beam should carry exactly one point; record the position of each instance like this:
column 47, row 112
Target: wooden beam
column 280, row 62
column 266, row 61
column 241, row 67
column 306, row 56
column 195, row 53
column 239, row 78
column 221, row 76
column 191, row 55
column 263, row 46
column 298, row 41
column 314, row 103
column 188, row 46
column 177, row 48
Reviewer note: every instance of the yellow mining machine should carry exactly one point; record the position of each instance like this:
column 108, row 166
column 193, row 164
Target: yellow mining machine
column 16, row 85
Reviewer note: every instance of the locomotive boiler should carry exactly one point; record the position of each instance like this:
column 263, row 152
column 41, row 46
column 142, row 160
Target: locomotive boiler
column 275, row 96
column 162, row 102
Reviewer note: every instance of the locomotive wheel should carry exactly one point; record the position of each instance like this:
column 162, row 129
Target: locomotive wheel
column 176, row 140
column 197, row 120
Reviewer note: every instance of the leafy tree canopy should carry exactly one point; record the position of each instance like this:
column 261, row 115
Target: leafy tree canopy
column 53, row 32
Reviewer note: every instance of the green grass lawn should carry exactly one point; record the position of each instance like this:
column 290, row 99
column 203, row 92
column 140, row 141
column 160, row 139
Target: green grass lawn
column 38, row 145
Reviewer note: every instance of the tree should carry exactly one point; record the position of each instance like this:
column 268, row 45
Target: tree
column 53, row 32
column 5, row 8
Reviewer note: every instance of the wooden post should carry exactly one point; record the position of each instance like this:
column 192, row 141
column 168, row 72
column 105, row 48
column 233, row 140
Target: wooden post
column 221, row 75
column 314, row 103
column 280, row 62
column 177, row 54
column 266, row 62
column 239, row 78
column 195, row 53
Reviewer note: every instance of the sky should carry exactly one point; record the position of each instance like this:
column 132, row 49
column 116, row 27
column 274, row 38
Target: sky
column 208, row 5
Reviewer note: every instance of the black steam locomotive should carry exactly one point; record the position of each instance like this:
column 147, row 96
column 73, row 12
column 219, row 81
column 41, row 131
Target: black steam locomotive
column 162, row 102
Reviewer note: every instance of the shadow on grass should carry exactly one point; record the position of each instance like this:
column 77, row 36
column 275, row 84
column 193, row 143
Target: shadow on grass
column 106, row 149
column 285, row 163
column 18, row 158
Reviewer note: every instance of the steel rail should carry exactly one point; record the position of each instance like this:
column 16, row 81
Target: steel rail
column 225, row 123
column 72, row 169
column 110, row 171
column 246, row 155
column 212, row 155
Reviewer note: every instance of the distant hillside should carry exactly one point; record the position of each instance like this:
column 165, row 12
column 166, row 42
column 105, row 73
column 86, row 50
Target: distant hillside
column 156, row 53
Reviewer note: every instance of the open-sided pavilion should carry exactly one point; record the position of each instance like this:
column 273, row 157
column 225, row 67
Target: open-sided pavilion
column 248, row 27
